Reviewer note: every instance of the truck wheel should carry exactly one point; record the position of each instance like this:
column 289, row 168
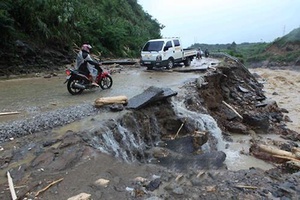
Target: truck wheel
column 187, row 62
column 170, row 64
column 150, row 67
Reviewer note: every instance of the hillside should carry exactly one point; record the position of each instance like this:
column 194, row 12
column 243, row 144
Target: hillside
column 284, row 51
column 42, row 34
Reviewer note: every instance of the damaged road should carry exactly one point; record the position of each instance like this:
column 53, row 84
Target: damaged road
column 164, row 144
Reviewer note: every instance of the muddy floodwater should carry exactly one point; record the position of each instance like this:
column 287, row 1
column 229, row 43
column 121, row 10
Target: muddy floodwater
column 283, row 86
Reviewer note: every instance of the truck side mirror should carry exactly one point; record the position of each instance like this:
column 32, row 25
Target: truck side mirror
column 166, row 48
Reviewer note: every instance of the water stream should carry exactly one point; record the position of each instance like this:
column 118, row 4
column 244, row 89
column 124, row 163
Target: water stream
column 235, row 160
column 106, row 133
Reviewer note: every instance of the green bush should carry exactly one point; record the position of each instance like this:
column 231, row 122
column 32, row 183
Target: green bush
column 114, row 27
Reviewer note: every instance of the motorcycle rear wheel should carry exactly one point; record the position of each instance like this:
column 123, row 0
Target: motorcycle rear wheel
column 72, row 90
column 105, row 82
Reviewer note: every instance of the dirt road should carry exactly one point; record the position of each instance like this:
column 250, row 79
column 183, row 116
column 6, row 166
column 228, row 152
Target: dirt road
column 33, row 95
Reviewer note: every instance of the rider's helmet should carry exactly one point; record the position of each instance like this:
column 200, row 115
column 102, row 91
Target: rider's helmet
column 86, row 47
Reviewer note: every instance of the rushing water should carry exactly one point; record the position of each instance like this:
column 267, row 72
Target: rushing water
column 109, row 136
column 235, row 159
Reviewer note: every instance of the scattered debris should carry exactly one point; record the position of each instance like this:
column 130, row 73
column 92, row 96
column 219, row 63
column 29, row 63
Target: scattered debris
column 81, row 196
column 48, row 186
column 111, row 100
column 230, row 107
column 102, row 182
column 9, row 113
column 11, row 187
column 179, row 129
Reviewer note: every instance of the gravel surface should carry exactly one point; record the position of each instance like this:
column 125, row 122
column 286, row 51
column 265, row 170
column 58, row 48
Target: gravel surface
column 44, row 121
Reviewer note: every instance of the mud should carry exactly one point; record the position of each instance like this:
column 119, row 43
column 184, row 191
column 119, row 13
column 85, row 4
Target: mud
column 143, row 143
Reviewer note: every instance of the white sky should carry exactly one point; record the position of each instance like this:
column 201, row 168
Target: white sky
column 224, row 21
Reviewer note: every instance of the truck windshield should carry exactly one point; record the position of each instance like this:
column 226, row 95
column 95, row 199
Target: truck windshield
column 153, row 46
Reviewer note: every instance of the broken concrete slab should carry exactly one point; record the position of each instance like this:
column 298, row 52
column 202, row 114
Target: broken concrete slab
column 150, row 95
column 120, row 62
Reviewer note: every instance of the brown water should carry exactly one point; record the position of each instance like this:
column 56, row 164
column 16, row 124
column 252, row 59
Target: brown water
column 287, row 84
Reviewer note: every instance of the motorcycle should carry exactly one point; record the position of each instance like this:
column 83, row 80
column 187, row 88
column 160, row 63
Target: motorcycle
column 77, row 82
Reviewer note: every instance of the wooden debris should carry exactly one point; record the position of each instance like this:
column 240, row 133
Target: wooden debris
column 275, row 151
column 48, row 186
column 292, row 159
column 11, row 187
column 180, row 128
column 246, row 187
column 111, row 100
column 285, row 158
column 230, row 107
column 9, row 113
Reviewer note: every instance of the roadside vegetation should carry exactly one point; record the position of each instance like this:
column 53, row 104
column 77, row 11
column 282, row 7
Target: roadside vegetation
column 282, row 50
column 113, row 27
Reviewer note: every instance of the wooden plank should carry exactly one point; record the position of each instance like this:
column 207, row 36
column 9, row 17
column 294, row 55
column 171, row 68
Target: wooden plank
column 9, row 113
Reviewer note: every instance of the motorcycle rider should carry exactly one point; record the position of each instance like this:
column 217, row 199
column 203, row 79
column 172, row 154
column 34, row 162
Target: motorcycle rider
column 86, row 65
column 199, row 54
column 206, row 53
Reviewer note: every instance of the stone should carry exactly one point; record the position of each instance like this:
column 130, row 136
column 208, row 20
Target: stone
column 102, row 182
column 259, row 122
column 81, row 196
column 154, row 184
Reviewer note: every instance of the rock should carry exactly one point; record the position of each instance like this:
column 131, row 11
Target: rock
column 81, row 196
column 200, row 82
column 116, row 107
column 297, row 63
column 287, row 119
column 157, row 152
column 186, row 162
column 259, row 122
column 199, row 138
column 178, row 191
column 48, row 76
column 236, row 127
column 242, row 89
column 102, row 182
column 153, row 185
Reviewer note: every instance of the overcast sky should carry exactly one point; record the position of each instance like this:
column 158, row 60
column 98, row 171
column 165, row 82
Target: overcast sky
column 224, row 21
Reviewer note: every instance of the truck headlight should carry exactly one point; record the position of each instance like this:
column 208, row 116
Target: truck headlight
column 158, row 58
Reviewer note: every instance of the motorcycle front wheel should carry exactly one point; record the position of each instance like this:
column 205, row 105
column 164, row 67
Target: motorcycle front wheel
column 73, row 90
column 106, row 82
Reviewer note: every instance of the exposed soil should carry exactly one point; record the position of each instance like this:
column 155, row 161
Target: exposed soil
column 182, row 169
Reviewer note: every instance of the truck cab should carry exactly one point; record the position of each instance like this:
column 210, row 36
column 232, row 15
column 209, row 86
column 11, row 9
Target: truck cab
column 162, row 53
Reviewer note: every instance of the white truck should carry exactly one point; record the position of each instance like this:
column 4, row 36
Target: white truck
column 165, row 53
